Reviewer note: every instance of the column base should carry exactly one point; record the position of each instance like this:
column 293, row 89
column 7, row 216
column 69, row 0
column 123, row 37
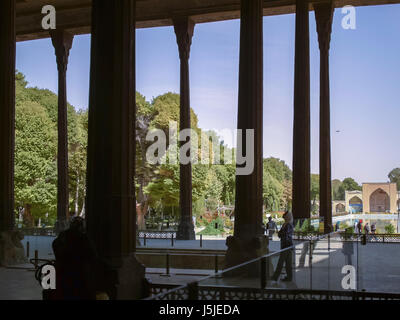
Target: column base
column 11, row 249
column 126, row 282
column 186, row 231
column 242, row 250
column 61, row 225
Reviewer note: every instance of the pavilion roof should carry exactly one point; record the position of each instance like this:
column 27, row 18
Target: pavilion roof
column 75, row 15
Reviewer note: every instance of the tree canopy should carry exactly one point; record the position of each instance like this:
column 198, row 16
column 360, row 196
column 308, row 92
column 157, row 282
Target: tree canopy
column 157, row 185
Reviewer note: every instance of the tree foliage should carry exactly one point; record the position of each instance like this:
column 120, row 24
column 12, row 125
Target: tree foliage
column 394, row 176
column 36, row 153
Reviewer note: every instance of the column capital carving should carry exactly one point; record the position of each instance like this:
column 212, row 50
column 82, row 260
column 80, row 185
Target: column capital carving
column 184, row 29
column 324, row 17
column 62, row 43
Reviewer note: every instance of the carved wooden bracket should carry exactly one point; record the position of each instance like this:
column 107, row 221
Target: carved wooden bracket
column 62, row 42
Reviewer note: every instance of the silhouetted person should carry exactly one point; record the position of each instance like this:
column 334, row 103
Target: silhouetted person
column 366, row 228
column 359, row 226
column 373, row 230
column 271, row 227
column 75, row 263
column 285, row 257
column 348, row 247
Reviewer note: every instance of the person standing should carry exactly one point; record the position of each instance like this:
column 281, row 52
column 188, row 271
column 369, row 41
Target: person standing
column 359, row 227
column 271, row 228
column 285, row 257
column 366, row 228
column 373, row 230
column 348, row 247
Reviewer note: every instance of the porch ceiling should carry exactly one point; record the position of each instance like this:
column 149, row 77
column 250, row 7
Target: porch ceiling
column 75, row 15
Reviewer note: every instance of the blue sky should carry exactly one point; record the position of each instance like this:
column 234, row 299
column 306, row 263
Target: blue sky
column 365, row 86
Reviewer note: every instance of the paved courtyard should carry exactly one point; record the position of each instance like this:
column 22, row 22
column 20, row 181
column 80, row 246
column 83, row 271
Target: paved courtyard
column 377, row 266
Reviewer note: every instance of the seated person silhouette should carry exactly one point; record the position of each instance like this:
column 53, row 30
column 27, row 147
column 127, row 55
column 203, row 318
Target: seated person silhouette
column 75, row 263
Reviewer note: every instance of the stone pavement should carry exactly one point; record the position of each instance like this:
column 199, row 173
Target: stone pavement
column 377, row 264
column 19, row 284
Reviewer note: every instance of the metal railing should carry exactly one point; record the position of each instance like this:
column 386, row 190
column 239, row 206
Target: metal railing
column 215, row 265
column 318, row 277
column 371, row 237
column 37, row 231
column 183, row 292
column 156, row 234
column 170, row 292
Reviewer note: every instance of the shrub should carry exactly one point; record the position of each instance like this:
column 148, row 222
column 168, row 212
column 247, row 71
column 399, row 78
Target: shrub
column 210, row 229
column 389, row 229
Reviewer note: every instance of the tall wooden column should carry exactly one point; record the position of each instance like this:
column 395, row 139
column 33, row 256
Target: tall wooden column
column 248, row 240
column 10, row 251
column 324, row 17
column 301, row 125
column 184, row 28
column 110, row 201
column 7, row 113
column 62, row 43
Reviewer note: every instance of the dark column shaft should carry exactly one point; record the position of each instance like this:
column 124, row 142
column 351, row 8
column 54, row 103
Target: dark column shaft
column 248, row 203
column 110, row 176
column 110, row 201
column 324, row 17
column 301, row 124
column 7, row 113
column 184, row 29
column 248, row 241
column 62, row 42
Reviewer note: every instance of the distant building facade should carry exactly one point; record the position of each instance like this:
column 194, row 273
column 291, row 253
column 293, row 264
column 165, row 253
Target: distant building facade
column 373, row 198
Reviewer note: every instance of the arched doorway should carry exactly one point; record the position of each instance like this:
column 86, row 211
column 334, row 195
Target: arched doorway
column 355, row 205
column 379, row 201
column 340, row 208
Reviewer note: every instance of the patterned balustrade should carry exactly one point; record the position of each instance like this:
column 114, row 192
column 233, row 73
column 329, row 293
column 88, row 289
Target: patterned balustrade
column 37, row 231
column 164, row 292
column 155, row 234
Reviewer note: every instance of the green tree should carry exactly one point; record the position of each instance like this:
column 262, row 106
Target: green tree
column 314, row 190
column 77, row 164
column 394, row 176
column 272, row 192
column 335, row 189
column 36, row 152
column 277, row 184
column 348, row 184
column 35, row 166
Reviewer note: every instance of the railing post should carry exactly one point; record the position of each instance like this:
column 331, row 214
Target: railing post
column 263, row 276
column 201, row 241
column 36, row 258
column 329, row 242
column 172, row 239
column 167, row 267
column 216, row 263
column 310, row 262
column 27, row 249
column 193, row 288
column 144, row 239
